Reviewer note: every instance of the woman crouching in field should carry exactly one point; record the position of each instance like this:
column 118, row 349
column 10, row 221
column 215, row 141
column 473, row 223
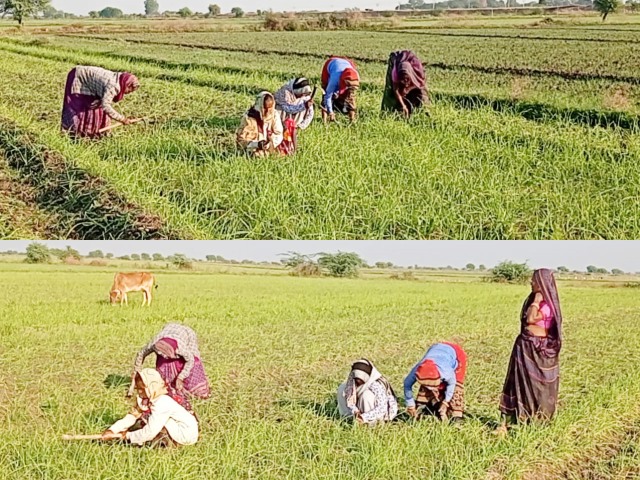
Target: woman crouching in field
column 531, row 387
column 405, row 88
column 261, row 132
column 166, row 416
column 367, row 395
column 294, row 102
column 440, row 374
column 88, row 100
column 177, row 360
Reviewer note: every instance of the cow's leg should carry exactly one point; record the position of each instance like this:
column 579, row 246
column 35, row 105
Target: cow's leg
column 148, row 291
column 125, row 298
column 144, row 297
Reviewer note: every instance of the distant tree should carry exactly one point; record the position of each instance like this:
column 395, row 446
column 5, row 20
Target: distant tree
column 511, row 272
column 50, row 12
column 482, row 268
column 381, row 264
column 470, row 267
column 94, row 14
column 617, row 271
column 145, row 256
column 96, row 254
column 181, row 261
column 341, row 264
column 237, row 12
column 109, row 255
column 605, row 7
column 259, row 13
column 37, row 253
column 185, row 12
column 151, row 8
column 21, row 9
column 602, row 271
column 124, row 257
column 135, row 256
column 214, row 10
column 70, row 253
column 158, row 257
column 294, row 259
column 110, row 12
column 592, row 269
column 211, row 258
column 562, row 269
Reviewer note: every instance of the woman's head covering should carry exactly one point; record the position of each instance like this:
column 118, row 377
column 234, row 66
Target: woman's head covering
column 547, row 283
column 350, row 78
column 407, row 71
column 154, row 385
column 301, row 87
column 126, row 80
column 428, row 374
column 363, row 370
column 166, row 347
column 255, row 112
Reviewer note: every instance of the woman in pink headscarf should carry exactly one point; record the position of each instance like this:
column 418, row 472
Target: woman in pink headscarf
column 531, row 387
column 177, row 360
column 406, row 85
column 88, row 100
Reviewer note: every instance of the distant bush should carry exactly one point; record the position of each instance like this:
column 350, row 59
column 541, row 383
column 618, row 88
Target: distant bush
column 291, row 23
column 341, row 264
column 511, row 272
column 98, row 263
column 182, row 262
column 37, row 253
column 406, row 275
column 307, row 269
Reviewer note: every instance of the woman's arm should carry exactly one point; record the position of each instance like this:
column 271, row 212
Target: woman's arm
column 380, row 401
column 400, row 99
column 123, row 424
column 160, row 414
column 533, row 313
column 107, row 104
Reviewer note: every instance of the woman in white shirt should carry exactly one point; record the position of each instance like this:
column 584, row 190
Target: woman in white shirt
column 162, row 414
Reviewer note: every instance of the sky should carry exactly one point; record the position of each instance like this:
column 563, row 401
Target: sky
column 575, row 255
column 137, row 6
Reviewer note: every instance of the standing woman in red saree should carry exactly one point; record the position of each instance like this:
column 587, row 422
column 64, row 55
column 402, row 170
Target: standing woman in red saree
column 406, row 85
column 88, row 100
column 531, row 388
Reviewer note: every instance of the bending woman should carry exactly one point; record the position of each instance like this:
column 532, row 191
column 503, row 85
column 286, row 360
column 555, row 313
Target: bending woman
column 166, row 417
column 531, row 387
column 88, row 100
column 440, row 374
column 405, row 89
column 260, row 131
column 367, row 395
column 340, row 81
column 293, row 101
column 177, row 360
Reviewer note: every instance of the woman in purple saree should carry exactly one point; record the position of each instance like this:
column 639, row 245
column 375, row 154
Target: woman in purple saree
column 406, row 85
column 88, row 100
column 531, row 387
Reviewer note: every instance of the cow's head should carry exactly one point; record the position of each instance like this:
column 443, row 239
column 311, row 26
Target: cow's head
column 114, row 296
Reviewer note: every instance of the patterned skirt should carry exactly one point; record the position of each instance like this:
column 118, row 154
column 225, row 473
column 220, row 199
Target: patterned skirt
column 531, row 386
column 82, row 115
column 196, row 383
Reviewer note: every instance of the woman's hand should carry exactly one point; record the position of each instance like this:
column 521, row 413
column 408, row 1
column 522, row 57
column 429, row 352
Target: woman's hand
column 180, row 385
column 109, row 435
column 538, row 298
column 443, row 410
column 412, row 411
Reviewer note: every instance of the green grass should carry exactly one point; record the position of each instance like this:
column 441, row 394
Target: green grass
column 276, row 348
column 528, row 138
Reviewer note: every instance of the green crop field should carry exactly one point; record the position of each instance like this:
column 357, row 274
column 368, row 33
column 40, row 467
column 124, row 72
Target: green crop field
column 533, row 134
column 276, row 348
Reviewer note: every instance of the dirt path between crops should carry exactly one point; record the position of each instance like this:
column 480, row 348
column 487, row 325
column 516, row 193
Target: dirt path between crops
column 81, row 205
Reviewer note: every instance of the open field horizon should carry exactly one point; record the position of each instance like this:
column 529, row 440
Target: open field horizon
column 275, row 350
column 533, row 134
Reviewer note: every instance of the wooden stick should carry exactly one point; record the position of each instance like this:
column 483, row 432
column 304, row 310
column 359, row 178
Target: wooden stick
column 118, row 124
column 82, row 437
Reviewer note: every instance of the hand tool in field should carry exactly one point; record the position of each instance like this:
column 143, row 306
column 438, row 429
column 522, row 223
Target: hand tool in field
column 82, row 437
column 118, row 124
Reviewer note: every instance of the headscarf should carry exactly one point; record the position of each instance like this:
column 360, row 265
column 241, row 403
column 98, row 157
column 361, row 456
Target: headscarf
column 428, row 374
column 407, row 66
column 545, row 279
column 255, row 112
column 349, row 79
column 126, row 80
column 300, row 87
column 154, row 384
column 167, row 347
column 363, row 370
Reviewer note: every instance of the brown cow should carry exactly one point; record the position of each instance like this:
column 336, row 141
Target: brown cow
column 132, row 282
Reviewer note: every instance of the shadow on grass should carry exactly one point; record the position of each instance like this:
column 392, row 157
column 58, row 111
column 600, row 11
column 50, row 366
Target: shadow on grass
column 114, row 380
column 327, row 409
column 100, row 418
